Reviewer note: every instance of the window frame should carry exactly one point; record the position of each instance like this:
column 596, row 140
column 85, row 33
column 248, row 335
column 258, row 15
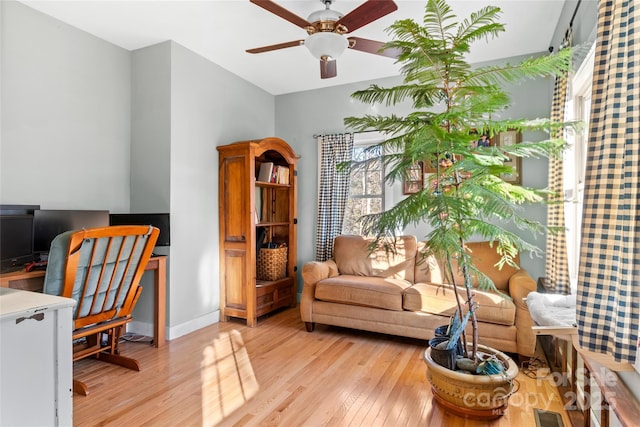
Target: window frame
column 361, row 141
column 575, row 159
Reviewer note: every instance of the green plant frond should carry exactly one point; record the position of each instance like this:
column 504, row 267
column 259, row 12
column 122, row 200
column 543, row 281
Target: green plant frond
column 389, row 125
column 556, row 229
column 524, row 125
column 543, row 66
column 486, row 284
column 407, row 211
column 375, row 94
column 367, row 163
column 441, row 243
column 532, row 226
column 437, row 13
column 494, row 204
column 473, row 103
column 480, row 24
column 550, row 148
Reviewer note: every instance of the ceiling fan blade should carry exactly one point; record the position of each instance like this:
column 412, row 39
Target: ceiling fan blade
column 328, row 69
column 276, row 46
column 282, row 12
column 372, row 46
column 366, row 13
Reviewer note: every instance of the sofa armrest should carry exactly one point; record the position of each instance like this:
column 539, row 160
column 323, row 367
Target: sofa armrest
column 312, row 273
column 520, row 284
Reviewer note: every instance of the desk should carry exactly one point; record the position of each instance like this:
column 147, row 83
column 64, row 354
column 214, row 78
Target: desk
column 34, row 280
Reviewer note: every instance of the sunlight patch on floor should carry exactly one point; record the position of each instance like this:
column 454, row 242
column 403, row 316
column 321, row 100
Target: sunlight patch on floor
column 228, row 380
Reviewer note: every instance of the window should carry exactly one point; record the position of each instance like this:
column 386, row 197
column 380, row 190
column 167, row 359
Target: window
column 366, row 193
column 578, row 108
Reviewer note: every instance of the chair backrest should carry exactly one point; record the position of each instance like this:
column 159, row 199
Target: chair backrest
column 100, row 268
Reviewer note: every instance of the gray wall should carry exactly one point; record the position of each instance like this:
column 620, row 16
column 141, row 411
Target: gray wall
column 183, row 107
column 209, row 107
column 151, row 129
column 151, row 159
column 65, row 115
column 88, row 125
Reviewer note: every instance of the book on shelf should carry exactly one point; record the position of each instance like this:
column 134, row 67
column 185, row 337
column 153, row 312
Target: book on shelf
column 266, row 171
column 275, row 174
column 283, row 175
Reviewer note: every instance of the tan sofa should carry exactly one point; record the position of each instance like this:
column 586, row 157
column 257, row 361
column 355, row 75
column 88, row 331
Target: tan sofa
column 401, row 294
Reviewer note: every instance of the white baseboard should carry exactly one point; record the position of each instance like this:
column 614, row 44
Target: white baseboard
column 146, row 329
column 140, row 328
column 193, row 325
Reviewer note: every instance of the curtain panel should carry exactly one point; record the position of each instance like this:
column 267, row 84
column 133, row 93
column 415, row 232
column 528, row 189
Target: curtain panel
column 333, row 190
column 608, row 295
column 557, row 264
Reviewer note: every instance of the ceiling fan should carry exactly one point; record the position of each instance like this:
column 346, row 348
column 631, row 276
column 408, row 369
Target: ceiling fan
column 327, row 29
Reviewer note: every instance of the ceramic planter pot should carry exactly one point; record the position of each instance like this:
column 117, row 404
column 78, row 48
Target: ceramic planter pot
column 472, row 396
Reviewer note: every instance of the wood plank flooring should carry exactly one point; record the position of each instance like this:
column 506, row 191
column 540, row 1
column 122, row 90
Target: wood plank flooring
column 277, row 374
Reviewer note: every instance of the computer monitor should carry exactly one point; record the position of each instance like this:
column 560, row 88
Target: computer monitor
column 159, row 220
column 18, row 209
column 16, row 241
column 48, row 223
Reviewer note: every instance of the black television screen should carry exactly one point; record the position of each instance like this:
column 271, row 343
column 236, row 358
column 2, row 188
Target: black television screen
column 159, row 220
column 48, row 223
column 16, row 241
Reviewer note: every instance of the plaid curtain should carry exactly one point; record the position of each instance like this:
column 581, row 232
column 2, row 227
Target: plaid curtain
column 557, row 265
column 608, row 297
column 333, row 191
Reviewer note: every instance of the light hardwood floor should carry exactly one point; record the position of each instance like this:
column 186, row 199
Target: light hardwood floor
column 277, row 374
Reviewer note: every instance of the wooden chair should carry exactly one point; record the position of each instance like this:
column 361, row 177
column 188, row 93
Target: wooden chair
column 100, row 268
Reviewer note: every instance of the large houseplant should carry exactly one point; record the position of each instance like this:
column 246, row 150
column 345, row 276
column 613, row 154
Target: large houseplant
column 453, row 104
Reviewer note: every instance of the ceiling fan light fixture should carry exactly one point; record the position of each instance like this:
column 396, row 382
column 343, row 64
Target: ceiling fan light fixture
column 326, row 44
column 325, row 15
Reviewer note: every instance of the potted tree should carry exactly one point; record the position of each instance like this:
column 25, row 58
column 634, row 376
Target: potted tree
column 466, row 197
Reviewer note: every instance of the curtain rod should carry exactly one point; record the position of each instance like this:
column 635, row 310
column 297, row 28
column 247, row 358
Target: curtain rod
column 575, row 11
column 318, row 135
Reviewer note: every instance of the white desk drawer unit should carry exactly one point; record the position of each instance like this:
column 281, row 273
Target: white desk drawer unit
column 35, row 359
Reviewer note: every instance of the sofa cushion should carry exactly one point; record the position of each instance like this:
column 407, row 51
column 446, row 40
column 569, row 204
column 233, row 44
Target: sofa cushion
column 353, row 256
column 484, row 257
column 427, row 270
column 440, row 299
column 378, row 292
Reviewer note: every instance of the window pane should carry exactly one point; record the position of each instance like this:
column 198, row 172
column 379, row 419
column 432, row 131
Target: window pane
column 366, row 193
column 357, row 187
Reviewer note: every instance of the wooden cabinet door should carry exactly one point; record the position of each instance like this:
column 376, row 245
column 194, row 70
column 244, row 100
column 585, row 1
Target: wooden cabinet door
column 234, row 210
column 236, row 236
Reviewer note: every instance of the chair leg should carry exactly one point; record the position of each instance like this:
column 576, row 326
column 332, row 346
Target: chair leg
column 117, row 359
column 113, row 354
column 80, row 388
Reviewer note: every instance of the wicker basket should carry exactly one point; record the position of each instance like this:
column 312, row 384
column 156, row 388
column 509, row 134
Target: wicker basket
column 272, row 263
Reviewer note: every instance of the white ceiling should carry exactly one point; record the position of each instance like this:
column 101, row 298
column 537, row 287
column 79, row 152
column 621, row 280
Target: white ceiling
column 221, row 30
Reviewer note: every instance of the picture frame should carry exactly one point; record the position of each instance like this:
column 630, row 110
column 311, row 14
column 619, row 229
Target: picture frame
column 504, row 139
column 413, row 180
column 483, row 139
